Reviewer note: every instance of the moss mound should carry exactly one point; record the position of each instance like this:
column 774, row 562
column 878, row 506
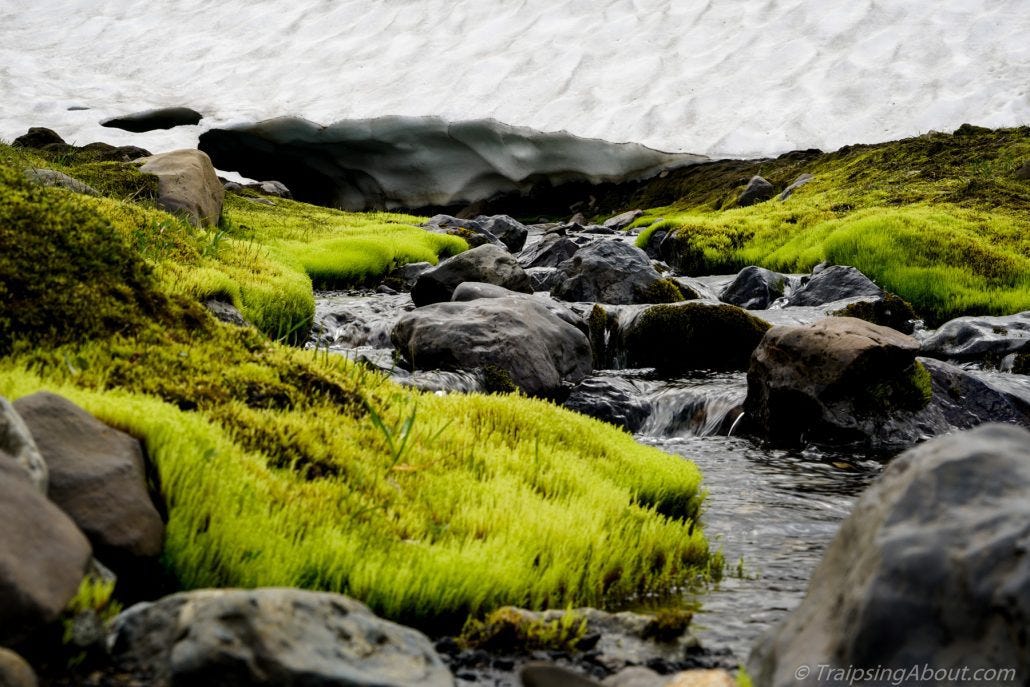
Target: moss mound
column 942, row 220
column 294, row 467
column 65, row 273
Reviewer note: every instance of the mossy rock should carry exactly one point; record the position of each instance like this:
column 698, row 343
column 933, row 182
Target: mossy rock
column 692, row 336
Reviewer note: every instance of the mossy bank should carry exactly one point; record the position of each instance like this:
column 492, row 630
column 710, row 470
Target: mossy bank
column 942, row 220
column 282, row 466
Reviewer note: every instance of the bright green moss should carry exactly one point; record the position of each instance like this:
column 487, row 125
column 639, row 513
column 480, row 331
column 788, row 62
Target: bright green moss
column 941, row 220
column 513, row 630
column 65, row 272
column 289, row 467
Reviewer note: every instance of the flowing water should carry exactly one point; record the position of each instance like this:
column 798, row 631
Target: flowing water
column 772, row 512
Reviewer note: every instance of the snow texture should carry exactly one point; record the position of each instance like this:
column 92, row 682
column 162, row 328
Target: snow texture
column 716, row 77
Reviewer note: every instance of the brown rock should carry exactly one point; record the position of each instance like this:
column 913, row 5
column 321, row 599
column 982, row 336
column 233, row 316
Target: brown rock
column 187, row 184
column 43, row 555
column 702, row 678
column 97, row 476
column 14, row 671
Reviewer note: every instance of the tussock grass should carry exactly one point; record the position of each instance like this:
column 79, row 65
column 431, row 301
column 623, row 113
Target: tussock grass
column 288, row 467
column 496, row 500
column 940, row 220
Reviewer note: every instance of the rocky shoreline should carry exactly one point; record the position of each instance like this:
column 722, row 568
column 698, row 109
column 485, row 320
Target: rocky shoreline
column 926, row 570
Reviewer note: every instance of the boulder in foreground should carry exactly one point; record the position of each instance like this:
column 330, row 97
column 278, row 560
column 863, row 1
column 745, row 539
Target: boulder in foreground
column 275, row 637
column 517, row 335
column 931, row 569
column 835, row 381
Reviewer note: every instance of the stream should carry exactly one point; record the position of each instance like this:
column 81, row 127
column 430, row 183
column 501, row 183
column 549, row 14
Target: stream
column 772, row 512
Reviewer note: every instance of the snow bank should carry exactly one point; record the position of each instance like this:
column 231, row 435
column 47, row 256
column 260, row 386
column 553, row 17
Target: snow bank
column 720, row 77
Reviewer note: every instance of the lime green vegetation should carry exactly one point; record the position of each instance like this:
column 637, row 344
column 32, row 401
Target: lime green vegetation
column 282, row 466
column 511, row 629
column 95, row 596
column 941, row 220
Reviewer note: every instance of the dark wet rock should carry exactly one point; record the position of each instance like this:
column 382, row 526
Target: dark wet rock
column 43, row 555
column 613, row 272
column 275, row 637
column 888, row 311
column 15, row 671
column 971, row 338
column 963, row 399
column 420, row 162
column 623, row 220
column 187, row 185
column 97, row 477
column 754, row 288
column 549, row 251
column 105, row 152
column 758, row 190
column 509, row 231
column 474, row 290
column 225, row 312
column 487, row 263
column 386, row 290
column 474, row 233
column 50, row 177
column 542, row 278
column 654, row 243
column 19, row 448
column 930, row 569
column 152, row 120
column 837, row 381
column 612, row 399
column 403, row 278
column 534, row 346
column 833, row 284
column 798, row 183
column 37, row 137
column 596, row 230
column 691, row 336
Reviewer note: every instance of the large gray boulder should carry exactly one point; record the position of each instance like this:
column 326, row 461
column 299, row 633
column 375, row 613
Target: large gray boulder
column 609, row 271
column 187, row 185
column 930, row 569
column 967, row 338
column 18, row 446
column 43, row 555
column 98, row 477
column 536, row 347
column 487, row 263
column 835, row 381
column 834, row 283
column 275, row 637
